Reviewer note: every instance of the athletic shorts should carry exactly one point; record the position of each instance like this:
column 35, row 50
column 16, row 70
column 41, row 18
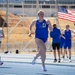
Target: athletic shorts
column 62, row 44
column 67, row 45
column 56, row 46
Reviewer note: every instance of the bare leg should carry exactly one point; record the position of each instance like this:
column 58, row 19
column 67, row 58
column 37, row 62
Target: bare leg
column 59, row 53
column 36, row 56
column 42, row 51
column 69, row 55
column 55, row 59
column 38, row 53
column 66, row 54
column 63, row 56
column 54, row 54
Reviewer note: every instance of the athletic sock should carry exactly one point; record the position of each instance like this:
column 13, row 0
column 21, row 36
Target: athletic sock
column 1, row 62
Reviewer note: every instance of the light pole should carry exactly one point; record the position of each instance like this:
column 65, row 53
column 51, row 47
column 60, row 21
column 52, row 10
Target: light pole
column 23, row 22
column 7, row 21
column 37, row 6
column 56, row 13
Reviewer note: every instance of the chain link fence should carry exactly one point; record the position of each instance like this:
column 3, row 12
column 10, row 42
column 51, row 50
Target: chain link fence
column 20, row 14
column 22, row 47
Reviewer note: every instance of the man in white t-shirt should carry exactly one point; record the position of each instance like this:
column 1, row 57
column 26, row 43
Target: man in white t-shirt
column 1, row 36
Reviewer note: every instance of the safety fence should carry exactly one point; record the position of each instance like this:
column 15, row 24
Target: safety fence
column 22, row 47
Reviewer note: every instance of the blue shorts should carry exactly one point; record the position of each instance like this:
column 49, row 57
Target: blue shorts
column 43, row 39
column 68, row 45
column 62, row 44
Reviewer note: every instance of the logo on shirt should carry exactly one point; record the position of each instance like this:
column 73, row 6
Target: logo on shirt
column 44, row 25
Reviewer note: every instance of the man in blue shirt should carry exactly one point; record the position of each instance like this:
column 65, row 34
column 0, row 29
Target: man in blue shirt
column 55, row 35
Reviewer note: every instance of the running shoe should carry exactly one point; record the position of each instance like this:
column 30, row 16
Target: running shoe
column 59, row 61
column 69, row 60
column 1, row 63
column 33, row 62
column 62, row 60
column 55, row 60
column 44, row 69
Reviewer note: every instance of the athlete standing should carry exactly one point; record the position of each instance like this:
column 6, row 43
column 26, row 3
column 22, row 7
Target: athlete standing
column 62, row 42
column 68, row 42
column 55, row 35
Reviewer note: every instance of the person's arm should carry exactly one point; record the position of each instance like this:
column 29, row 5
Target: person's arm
column 30, row 27
column 3, row 33
column 73, row 31
column 49, row 24
column 62, row 34
column 73, row 36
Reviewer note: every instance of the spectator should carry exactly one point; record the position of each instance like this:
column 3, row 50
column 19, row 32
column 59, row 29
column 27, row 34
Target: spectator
column 55, row 35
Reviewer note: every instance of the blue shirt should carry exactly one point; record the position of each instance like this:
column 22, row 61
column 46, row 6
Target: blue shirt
column 62, row 39
column 67, row 35
column 55, row 35
column 41, row 29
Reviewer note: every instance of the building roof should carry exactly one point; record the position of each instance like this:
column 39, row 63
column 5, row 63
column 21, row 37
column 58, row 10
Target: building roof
column 40, row 1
